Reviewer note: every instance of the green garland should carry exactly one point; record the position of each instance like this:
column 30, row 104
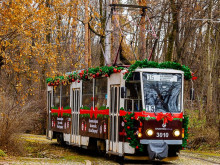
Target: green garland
column 54, row 114
column 85, row 107
column 55, row 107
column 186, row 133
column 103, row 107
column 84, row 115
column 164, row 65
column 56, row 81
column 106, row 71
column 131, row 136
column 66, row 115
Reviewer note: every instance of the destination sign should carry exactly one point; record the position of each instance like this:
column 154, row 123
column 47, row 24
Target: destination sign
column 162, row 77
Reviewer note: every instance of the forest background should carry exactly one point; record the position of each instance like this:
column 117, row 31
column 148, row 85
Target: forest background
column 45, row 38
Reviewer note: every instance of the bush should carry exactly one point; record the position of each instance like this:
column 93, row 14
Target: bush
column 19, row 112
column 2, row 154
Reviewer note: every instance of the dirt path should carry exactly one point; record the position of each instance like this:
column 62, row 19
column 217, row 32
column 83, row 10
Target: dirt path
column 39, row 150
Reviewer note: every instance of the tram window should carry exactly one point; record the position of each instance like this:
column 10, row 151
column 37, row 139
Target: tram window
column 136, row 76
column 111, row 105
column 116, row 99
column 56, row 96
column 87, row 93
column 133, row 101
column 65, row 98
column 100, row 92
column 128, row 105
column 137, row 105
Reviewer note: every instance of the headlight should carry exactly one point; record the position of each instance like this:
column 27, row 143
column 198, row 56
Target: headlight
column 149, row 132
column 176, row 132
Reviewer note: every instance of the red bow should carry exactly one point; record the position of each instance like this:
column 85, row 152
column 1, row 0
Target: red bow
column 60, row 111
column 165, row 117
column 94, row 112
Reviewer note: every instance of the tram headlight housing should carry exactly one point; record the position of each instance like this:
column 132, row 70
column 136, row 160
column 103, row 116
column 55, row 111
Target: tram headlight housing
column 149, row 132
column 139, row 134
column 176, row 133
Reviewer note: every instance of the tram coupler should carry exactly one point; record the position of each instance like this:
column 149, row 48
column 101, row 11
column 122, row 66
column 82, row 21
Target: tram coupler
column 157, row 150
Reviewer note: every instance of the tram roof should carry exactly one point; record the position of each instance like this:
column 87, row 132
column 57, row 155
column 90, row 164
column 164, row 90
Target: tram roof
column 143, row 70
column 159, row 70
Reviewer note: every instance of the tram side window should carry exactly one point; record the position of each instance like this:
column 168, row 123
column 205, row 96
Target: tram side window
column 65, row 98
column 56, row 96
column 100, row 92
column 133, row 101
column 87, row 93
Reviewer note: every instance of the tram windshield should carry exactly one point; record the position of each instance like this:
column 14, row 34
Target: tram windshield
column 162, row 92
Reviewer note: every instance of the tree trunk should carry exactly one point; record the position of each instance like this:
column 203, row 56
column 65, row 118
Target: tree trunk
column 142, row 36
column 116, row 35
column 86, row 23
column 74, row 28
column 158, row 35
column 209, row 69
column 174, row 35
column 102, row 41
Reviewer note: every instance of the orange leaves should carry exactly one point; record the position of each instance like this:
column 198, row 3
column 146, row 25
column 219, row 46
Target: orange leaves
column 41, row 35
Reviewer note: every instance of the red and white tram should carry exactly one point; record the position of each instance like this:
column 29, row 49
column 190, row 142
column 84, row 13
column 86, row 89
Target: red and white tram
column 139, row 117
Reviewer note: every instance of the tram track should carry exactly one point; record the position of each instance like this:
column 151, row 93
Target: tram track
column 183, row 159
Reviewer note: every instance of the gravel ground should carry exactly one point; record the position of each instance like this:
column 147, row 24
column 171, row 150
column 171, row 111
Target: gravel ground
column 53, row 154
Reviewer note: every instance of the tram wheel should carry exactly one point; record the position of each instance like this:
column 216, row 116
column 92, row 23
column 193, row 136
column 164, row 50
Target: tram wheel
column 60, row 139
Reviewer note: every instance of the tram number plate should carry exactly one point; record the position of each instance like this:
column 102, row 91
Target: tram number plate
column 150, row 108
column 162, row 134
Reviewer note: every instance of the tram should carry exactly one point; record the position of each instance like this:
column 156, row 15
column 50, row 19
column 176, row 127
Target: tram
column 124, row 111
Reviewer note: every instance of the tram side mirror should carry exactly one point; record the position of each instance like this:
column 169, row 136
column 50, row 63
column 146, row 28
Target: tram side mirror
column 123, row 92
column 192, row 94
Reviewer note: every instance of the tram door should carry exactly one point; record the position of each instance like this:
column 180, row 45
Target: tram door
column 114, row 117
column 75, row 115
column 49, row 97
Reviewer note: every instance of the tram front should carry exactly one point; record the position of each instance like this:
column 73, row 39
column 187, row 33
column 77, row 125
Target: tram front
column 162, row 93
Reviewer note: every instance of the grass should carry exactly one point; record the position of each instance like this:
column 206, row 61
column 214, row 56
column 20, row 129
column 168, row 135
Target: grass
column 36, row 148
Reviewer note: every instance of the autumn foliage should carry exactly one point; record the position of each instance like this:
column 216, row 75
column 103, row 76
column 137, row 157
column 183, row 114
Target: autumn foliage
column 47, row 38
